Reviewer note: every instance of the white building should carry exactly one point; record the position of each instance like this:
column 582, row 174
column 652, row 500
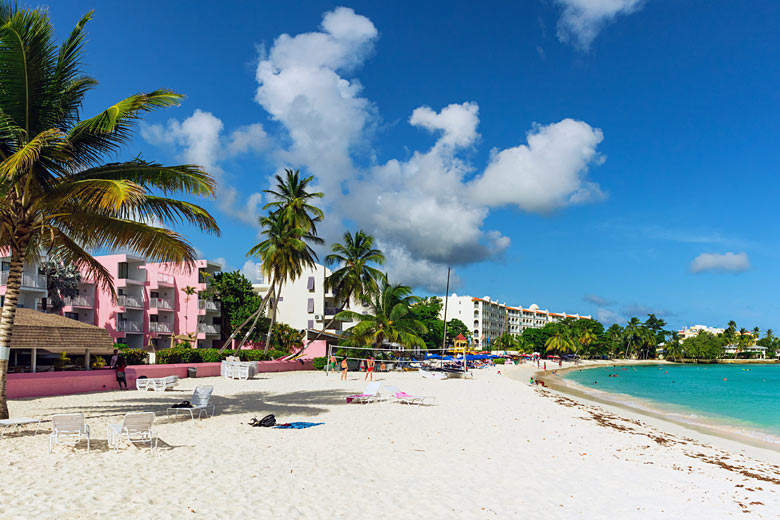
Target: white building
column 696, row 329
column 304, row 303
column 488, row 319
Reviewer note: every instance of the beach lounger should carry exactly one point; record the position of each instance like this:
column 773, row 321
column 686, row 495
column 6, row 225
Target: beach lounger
column 370, row 395
column 200, row 402
column 161, row 384
column 142, row 383
column 135, row 427
column 68, row 428
column 404, row 398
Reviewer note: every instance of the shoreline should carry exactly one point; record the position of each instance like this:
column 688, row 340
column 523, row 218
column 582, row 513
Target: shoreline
column 559, row 384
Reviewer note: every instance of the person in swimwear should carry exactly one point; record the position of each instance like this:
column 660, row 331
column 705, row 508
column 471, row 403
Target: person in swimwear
column 344, row 369
column 370, row 369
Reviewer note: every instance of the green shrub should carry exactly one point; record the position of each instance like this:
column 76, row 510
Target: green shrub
column 119, row 346
column 134, row 356
column 212, row 355
column 319, row 362
column 499, row 361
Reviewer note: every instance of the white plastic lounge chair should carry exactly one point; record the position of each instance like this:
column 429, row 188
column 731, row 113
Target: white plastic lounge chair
column 161, row 384
column 404, row 398
column 370, row 395
column 143, row 383
column 68, row 428
column 18, row 423
column 199, row 401
column 135, row 427
column 241, row 371
column 229, row 367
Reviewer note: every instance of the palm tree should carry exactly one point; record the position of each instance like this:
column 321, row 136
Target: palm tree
column 389, row 319
column 188, row 291
column 284, row 253
column 586, row 337
column 632, row 334
column 756, row 334
column 559, row 342
column 744, row 341
column 293, row 201
column 57, row 195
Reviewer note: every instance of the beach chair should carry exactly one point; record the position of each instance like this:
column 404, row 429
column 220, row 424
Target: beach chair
column 161, row 384
column 135, row 427
column 404, row 398
column 200, row 402
column 143, row 383
column 68, row 428
column 241, row 371
column 370, row 395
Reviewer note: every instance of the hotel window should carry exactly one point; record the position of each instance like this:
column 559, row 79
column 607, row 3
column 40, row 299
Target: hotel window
column 311, row 324
column 310, row 283
column 72, row 315
column 310, row 305
column 122, row 270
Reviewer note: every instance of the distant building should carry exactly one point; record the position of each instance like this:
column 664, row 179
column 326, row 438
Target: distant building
column 488, row 319
column 696, row 330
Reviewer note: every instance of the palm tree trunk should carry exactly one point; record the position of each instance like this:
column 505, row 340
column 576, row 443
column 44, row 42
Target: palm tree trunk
column 273, row 319
column 254, row 317
column 7, row 321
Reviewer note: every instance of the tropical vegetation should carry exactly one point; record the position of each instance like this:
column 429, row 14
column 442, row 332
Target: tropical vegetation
column 62, row 190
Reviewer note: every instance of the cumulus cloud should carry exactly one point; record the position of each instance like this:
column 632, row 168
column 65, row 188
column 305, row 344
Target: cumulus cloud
column 428, row 209
column 199, row 140
column 716, row 262
column 582, row 20
column 546, row 174
column 608, row 317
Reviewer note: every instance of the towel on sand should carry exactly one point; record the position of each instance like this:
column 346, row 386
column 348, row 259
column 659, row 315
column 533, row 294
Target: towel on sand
column 297, row 425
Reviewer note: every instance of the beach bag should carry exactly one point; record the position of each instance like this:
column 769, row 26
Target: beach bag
column 267, row 421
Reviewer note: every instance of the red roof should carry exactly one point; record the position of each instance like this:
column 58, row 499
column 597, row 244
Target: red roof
column 460, row 337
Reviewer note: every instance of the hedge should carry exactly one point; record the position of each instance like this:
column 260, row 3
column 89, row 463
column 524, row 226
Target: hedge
column 319, row 362
column 212, row 355
column 133, row 356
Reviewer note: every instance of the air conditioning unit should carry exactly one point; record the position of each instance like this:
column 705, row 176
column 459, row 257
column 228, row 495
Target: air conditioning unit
column 318, row 316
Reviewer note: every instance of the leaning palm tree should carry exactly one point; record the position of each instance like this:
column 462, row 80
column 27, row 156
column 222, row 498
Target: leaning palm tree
column 57, row 195
column 188, row 291
column 632, row 334
column 284, row 253
column 293, row 202
column 389, row 319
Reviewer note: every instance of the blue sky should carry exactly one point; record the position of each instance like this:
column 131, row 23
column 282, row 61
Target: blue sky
column 578, row 154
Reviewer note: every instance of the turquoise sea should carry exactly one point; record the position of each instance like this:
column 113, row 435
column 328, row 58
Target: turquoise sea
column 744, row 399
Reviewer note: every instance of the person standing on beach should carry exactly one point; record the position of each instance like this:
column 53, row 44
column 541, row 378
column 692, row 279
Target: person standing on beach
column 332, row 361
column 370, row 369
column 114, row 358
column 344, row 368
column 121, row 378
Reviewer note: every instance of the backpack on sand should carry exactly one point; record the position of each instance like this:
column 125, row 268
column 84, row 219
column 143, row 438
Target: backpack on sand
column 267, row 421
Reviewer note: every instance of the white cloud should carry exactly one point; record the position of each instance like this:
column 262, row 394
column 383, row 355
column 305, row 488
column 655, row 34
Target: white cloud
column 582, row 20
column 221, row 261
column 458, row 122
column 251, row 270
column 403, row 268
column 609, row 317
column 547, row 174
column 200, row 141
column 726, row 262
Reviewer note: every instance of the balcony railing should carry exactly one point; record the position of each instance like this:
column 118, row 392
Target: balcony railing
column 165, row 278
column 159, row 327
column 38, row 281
column 129, row 326
column 209, row 305
column 130, row 301
column 160, row 303
column 79, row 301
column 208, row 328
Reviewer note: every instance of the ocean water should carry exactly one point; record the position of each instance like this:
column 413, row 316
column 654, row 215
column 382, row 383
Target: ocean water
column 744, row 399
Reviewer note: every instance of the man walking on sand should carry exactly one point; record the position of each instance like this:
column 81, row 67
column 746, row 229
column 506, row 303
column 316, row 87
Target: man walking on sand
column 370, row 369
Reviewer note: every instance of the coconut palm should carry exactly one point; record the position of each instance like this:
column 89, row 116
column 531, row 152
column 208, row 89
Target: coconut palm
column 559, row 342
column 292, row 201
column 57, row 193
column 188, row 291
column 284, row 253
column 632, row 334
column 389, row 319
column 586, row 337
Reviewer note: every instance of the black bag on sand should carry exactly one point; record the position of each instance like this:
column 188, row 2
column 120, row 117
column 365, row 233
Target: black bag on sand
column 267, row 421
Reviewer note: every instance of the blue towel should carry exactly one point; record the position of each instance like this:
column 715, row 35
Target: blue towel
column 297, row 425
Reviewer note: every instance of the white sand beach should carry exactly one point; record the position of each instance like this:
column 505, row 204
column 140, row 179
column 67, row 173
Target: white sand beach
column 491, row 447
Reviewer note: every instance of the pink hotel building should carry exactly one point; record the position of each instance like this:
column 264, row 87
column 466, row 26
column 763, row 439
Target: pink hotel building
column 151, row 305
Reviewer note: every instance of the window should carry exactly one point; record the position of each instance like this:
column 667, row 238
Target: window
column 122, row 270
column 153, row 318
column 6, row 266
column 310, row 305
column 154, row 294
column 310, row 283
column 72, row 315
column 311, row 324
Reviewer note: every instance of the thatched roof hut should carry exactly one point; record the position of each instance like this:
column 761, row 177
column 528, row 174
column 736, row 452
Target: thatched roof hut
column 55, row 333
